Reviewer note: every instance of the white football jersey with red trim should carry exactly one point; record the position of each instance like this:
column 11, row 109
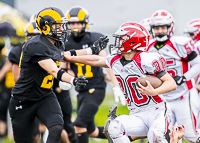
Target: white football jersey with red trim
column 175, row 51
column 197, row 47
column 141, row 64
column 197, row 50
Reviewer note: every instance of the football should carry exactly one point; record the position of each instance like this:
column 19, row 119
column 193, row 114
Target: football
column 154, row 81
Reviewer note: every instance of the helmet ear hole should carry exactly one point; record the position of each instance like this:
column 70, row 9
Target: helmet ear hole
column 46, row 29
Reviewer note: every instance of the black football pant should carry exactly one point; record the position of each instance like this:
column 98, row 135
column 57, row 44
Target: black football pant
column 64, row 100
column 88, row 104
column 23, row 116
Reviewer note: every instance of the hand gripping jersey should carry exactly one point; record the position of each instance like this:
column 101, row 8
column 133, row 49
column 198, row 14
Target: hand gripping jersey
column 141, row 64
column 93, row 74
column 34, row 82
column 175, row 51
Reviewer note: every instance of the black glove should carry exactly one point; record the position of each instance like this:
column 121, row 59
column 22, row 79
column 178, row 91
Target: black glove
column 80, row 82
column 99, row 45
column 179, row 79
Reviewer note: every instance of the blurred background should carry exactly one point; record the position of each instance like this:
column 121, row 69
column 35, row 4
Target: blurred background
column 105, row 17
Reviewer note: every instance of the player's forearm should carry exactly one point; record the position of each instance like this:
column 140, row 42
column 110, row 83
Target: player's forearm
column 81, row 52
column 168, row 85
column 88, row 59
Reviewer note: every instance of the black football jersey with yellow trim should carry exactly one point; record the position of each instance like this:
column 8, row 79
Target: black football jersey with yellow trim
column 93, row 74
column 34, row 82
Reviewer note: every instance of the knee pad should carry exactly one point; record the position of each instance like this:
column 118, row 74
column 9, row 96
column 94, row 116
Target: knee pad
column 116, row 129
column 56, row 129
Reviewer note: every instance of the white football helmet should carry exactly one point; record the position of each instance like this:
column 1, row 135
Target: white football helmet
column 162, row 18
column 193, row 28
column 146, row 23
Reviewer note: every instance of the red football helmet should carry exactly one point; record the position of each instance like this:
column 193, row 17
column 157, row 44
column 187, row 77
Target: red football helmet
column 162, row 18
column 193, row 28
column 131, row 36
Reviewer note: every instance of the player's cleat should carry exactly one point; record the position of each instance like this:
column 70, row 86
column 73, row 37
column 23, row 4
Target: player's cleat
column 111, row 116
column 112, row 112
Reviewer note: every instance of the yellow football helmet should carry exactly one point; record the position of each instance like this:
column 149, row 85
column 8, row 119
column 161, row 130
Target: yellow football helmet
column 48, row 17
column 78, row 14
column 31, row 30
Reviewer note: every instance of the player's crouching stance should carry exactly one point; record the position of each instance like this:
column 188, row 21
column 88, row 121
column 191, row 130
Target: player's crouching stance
column 148, row 111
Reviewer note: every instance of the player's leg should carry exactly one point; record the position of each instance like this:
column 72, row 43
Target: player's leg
column 4, row 103
column 64, row 137
column 49, row 113
column 126, row 125
column 185, row 116
column 195, row 100
column 88, row 103
column 97, row 98
column 64, row 100
column 23, row 120
column 36, row 131
column 158, row 129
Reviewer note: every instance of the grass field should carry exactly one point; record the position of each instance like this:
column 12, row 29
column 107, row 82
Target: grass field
column 100, row 117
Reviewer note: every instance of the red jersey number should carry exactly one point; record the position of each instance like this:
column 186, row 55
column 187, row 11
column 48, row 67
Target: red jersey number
column 135, row 96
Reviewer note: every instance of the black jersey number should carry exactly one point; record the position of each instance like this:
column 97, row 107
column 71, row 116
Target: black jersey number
column 47, row 82
column 88, row 72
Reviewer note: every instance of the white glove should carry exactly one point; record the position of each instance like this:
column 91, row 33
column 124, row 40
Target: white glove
column 64, row 85
column 118, row 94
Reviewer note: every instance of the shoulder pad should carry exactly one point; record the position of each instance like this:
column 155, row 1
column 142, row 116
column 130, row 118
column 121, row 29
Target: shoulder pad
column 180, row 40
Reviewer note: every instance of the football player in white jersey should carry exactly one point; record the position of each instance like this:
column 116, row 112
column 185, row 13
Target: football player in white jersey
column 193, row 30
column 146, row 23
column 178, row 52
column 148, row 109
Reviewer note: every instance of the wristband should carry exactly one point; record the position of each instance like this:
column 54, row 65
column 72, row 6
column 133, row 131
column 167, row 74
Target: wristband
column 89, row 51
column 72, row 80
column 59, row 74
column 73, row 52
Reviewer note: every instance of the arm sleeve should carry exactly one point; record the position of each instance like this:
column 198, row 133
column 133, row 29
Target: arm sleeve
column 191, row 56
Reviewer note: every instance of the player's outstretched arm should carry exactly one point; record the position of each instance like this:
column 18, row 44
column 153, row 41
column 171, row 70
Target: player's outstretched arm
column 95, row 49
column 60, row 74
column 93, row 60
